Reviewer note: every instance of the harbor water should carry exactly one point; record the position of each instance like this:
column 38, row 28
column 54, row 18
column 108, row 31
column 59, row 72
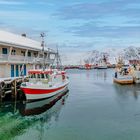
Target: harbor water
column 94, row 109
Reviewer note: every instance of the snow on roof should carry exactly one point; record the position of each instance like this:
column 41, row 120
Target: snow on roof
column 7, row 38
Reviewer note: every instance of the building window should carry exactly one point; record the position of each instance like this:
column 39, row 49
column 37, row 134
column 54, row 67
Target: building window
column 29, row 54
column 4, row 51
column 35, row 54
column 13, row 52
column 23, row 53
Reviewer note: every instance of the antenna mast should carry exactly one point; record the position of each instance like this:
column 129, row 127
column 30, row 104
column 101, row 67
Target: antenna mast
column 43, row 45
column 57, row 59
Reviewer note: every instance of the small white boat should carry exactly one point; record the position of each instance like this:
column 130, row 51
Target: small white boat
column 44, row 84
column 102, row 63
column 123, row 77
column 102, row 67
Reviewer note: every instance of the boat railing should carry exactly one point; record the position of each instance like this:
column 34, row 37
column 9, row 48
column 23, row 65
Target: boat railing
column 40, row 80
column 33, row 80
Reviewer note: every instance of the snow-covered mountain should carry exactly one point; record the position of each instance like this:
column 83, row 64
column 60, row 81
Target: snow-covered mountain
column 93, row 56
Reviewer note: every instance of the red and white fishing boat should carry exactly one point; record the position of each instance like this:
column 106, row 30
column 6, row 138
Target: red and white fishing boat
column 44, row 84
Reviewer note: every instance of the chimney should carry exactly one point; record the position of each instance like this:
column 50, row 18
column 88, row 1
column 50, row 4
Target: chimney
column 24, row 35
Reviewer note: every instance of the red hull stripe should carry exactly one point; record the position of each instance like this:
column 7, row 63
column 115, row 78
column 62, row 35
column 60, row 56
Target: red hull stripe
column 40, row 91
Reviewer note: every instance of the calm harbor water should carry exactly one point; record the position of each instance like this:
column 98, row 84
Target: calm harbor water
column 94, row 109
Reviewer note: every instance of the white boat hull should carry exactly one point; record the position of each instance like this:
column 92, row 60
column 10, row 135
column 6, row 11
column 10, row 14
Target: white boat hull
column 42, row 93
column 126, row 79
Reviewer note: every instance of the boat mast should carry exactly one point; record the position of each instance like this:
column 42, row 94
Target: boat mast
column 58, row 60
column 43, row 45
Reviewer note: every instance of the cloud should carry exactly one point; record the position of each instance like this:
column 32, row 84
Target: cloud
column 11, row 2
column 21, row 15
column 90, row 30
column 94, row 10
column 131, row 13
column 88, row 10
column 74, row 25
column 78, row 46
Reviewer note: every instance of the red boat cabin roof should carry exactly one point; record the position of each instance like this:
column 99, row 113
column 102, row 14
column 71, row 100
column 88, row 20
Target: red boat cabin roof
column 40, row 72
column 44, row 72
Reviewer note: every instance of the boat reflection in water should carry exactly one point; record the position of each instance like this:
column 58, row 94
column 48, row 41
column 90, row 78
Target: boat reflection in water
column 42, row 106
column 15, row 119
column 124, row 91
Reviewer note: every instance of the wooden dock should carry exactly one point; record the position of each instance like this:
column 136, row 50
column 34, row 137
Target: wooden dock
column 10, row 86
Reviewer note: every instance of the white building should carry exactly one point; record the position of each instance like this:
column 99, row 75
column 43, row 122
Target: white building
column 18, row 54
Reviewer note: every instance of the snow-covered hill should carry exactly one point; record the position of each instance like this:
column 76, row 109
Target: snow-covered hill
column 93, row 56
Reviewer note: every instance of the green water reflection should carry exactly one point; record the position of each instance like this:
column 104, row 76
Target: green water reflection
column 17, row 118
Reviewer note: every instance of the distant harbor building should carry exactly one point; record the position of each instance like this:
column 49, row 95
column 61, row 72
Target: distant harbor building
column 18, row 54
column 134, row 62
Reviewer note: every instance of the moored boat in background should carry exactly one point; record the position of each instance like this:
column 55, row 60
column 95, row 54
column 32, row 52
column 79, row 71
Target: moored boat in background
column 102, row 63
column 124, row 79
column 123, row 76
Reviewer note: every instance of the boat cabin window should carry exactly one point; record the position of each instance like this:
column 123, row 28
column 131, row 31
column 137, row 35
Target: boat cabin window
column 42, row 76
column 32, row 76
column 47, row 76
column 38, row 76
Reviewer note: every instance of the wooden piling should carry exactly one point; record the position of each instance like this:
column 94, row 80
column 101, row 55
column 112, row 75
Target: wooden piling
column 15, row 95
column 10, row 86
column 15, row 88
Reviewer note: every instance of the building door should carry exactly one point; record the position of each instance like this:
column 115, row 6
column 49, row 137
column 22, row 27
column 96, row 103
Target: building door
column 25, row 71
column 17, row 71
column 4, row 51
column 12, row 71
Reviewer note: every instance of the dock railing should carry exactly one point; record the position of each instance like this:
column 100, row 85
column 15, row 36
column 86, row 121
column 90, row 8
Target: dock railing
column 5, row 58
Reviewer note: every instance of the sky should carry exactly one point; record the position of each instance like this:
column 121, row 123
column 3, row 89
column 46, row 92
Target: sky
column 75, row 25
